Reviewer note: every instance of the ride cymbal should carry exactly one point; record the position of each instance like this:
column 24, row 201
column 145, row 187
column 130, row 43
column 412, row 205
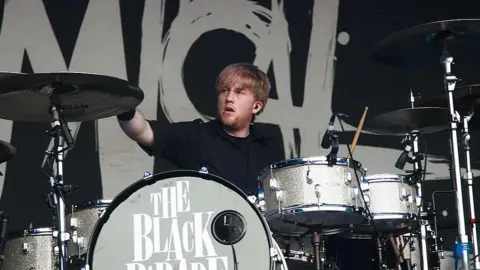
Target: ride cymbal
column 7, row 151
column 82, row 96
column 397, row 123
column 423, row 44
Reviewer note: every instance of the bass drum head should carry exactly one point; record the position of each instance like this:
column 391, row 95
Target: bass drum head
column 180, row 220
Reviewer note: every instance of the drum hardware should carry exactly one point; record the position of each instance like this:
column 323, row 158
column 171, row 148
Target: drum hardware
column 3, row 235
column 418, row 45
column 468, row 177
column 450, row 81
column 63, row 140
column 319, row 251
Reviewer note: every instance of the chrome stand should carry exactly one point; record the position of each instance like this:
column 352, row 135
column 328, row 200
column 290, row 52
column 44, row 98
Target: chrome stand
column 56, row 197
column 468, row 176
column 450, row 80
column 417, row 172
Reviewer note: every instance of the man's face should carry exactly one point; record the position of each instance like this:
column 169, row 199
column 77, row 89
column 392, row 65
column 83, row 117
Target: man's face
column 236, row 106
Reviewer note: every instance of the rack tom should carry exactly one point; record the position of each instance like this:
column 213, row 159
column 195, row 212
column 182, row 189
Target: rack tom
column 392, row 201
column 304, row 192
column 31, row 249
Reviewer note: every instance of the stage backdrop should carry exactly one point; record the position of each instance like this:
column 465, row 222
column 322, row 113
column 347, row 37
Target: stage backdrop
column 316, row 53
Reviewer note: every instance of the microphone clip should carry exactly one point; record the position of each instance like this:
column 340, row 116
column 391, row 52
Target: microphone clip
column 332, row 156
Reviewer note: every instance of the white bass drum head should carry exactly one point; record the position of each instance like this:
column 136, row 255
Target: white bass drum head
column 183, row 220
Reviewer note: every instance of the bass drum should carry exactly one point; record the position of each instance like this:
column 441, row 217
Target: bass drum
column 182, row 220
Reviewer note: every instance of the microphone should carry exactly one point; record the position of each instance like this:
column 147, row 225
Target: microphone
column 326, row 140
column 403, row 158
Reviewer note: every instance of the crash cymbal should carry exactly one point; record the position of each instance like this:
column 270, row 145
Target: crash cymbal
column 423, row 44
column 397, row 123
column 83, row 96
column 7, row 151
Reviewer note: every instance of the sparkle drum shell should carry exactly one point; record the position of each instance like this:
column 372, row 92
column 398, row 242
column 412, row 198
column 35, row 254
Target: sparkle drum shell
column 310, row 191
column 174, row 219
column 392, row 201
column 31, row 249
column 80, row 221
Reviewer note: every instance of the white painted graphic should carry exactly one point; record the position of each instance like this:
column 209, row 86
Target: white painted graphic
column 162, row 233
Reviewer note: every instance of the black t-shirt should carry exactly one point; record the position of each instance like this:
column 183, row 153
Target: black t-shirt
column 195, row 145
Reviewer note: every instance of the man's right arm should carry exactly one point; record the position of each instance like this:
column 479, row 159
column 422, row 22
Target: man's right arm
column 137, row 128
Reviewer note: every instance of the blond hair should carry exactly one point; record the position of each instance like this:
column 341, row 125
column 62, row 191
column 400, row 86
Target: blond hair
column 249, row 76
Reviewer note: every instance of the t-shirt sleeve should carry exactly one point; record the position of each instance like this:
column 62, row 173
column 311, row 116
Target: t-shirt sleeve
column 169, row 138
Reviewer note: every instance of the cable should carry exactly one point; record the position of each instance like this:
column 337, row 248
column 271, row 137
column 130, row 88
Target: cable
column 360, row 188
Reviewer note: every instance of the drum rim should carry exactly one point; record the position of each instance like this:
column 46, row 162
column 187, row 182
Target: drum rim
column 38, row 231
column 152, row 179
column 91, row 204
column 315, row 160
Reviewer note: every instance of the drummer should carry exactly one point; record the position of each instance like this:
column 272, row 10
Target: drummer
column 229, row 146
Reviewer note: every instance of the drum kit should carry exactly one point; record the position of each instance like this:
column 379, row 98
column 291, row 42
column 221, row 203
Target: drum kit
column 167, row 221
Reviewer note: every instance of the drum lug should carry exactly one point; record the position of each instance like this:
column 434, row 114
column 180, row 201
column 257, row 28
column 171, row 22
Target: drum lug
column 418, row 200
column 73, row 223
column 25, row 248
column 274, row 254
column 74, row 237
column 309, row 177
column 348, row 178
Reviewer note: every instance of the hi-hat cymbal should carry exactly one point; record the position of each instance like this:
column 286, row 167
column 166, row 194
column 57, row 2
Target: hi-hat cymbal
column 7, row 151
column 425, row 120
column 83, row 96
column 423, row 44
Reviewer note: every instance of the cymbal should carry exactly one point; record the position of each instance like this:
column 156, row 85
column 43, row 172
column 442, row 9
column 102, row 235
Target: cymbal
column 397, row 123
column 82, row 96
column 7, row 151
column 465, row 98
column 423, row 44
column 6, row 74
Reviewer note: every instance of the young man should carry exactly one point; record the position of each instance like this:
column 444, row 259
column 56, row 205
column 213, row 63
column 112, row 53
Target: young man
column 229, row 146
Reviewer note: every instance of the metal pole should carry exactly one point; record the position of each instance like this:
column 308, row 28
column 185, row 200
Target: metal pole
column 416, row 169
column 468, row 176
column 62, row 235
column 450, row 81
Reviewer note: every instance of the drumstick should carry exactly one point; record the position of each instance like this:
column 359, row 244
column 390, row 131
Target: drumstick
column 357, row 134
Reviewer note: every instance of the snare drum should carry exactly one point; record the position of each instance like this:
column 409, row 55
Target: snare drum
column 182, row 220
column 81, row 221
column 30, row 249
column 392, row 201
column 310, row 191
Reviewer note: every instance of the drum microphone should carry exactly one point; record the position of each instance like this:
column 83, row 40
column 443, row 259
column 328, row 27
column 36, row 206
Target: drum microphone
column 327, row 137
column 403, row 158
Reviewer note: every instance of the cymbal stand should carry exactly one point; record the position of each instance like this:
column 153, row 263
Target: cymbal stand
column 417, row 180
column 468, row 176
column 62, row 142
column 450, row 80
column 319, row 251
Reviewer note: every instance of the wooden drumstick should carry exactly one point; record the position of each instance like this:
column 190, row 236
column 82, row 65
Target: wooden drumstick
column 357, row 134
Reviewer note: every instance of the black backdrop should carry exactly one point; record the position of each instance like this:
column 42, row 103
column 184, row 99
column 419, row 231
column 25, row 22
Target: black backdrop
column 359, row 81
